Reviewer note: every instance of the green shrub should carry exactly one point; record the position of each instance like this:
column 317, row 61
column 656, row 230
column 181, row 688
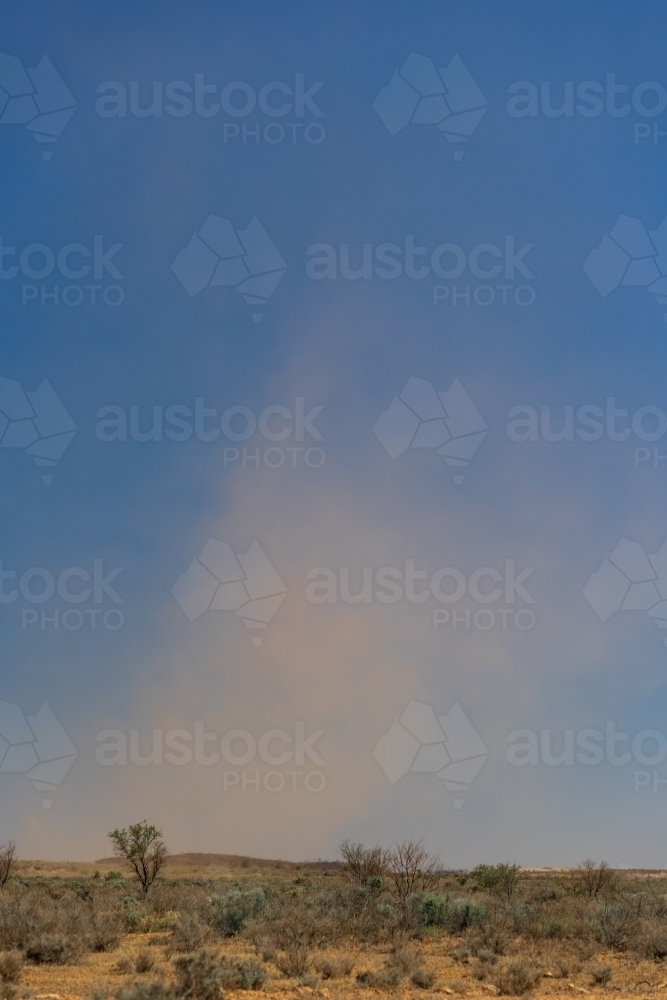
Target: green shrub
column 464, row 913
column 229, row 912
column 434, row 910
column 503, row 879
column 247, row 975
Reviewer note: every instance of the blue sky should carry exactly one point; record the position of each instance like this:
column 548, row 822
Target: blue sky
column 548, row 187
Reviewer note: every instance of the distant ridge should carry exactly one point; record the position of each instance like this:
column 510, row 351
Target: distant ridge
column 203, row 860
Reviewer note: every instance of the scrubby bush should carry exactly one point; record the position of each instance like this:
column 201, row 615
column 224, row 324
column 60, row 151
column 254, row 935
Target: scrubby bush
column 144, row 962
column 105, row 930
column 230, row 912
column 11, row 966
column 144, row 991
column 595, row 879
column 334, row 968
column 614, row 924
column 503, row 879
column 516, row 979
column 464, row 913
column 653, row 944
column 199, row 976
column 384, row 979
column 405, row 958
column 246, row 975
column 51, row 949
column 189, row 933
column 601, row 975
column 422, row 979
column 434, row 910
column 295, row 960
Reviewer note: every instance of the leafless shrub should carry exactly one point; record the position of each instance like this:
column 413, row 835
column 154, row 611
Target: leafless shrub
column 364, row 865
column 491, row 939
column 105, row 930
column 295, row 960
column 594, row 879
column 387, row 978
column 265, row 947
column 406, row 959
column 653, row 944
column 123, row 966
column 613, row 925
column 563, row 968
column 144, row 962
column 11, row 966
column 7, row 862
column 295, row 934
column 334, row 968
column 412, row 869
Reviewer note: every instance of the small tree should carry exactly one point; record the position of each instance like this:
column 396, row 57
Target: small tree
column 503, row 879
column 7, row 862
column 364, row 865
column 412, row 869
column 144, row 850
column 595, row 879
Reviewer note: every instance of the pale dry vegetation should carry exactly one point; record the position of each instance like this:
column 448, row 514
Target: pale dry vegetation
column 383, row 921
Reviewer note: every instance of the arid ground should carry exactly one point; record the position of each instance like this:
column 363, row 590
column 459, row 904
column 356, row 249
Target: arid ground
column 217, row 925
